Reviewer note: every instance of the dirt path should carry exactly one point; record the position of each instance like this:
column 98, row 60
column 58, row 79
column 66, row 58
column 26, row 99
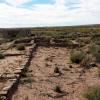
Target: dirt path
column 43, row 80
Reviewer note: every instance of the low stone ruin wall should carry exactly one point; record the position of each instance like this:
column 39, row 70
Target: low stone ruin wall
column 13, row 80
column 12, row 84
column 43, row 41
column 27, row 40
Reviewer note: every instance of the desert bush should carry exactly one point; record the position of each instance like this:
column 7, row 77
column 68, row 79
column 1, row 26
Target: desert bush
column 95, row 51
column 96, row 37
column 99, row 71
column 86, row 61
column 92, row 93
column 20, row 47
column 57, row 89
column 97, row 56
column 56, row 70
column 77, row 56
column 87, row 40
column 97, row 42
column 2, row 56
column 26, row 80
column 26, row 98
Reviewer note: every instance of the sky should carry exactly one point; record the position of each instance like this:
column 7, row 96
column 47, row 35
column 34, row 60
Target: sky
column 39, row 13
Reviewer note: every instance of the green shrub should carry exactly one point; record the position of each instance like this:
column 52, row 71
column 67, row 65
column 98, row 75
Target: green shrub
column 86, row 61
column 92, row 93
column 95, row 50
column 77, row 56
column 20, row 47
column 2, row 56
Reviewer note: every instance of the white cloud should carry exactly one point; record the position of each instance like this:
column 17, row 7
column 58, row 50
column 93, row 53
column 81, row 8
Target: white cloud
column 60, row 2
column 59, row 13
column 17, row 2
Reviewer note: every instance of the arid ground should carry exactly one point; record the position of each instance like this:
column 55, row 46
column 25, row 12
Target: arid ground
column 41, row 79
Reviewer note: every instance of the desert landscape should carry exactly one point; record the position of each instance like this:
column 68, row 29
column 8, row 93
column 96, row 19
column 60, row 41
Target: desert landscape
column 50, row 63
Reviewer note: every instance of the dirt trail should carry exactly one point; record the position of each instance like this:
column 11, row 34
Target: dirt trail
column 43, row 79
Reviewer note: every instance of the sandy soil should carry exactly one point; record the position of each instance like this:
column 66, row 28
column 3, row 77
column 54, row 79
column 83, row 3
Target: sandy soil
column 44, row 80
column 9, row 64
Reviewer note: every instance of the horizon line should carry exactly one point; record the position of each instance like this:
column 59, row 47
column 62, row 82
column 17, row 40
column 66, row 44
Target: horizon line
column 55, row 26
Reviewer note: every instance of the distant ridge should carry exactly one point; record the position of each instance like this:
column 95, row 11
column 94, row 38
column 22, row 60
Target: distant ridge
column 73, row 26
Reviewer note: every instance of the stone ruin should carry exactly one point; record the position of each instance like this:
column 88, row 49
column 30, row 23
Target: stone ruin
column 13, row 79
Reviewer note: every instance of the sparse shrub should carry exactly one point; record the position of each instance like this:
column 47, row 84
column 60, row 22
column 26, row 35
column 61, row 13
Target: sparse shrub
column 26, row 80
column 86, row 61
column 97, row 56
column 58, row 89
column 92, row 93
column 99, row 71
column 77, row 56
column 2, row 56
column 97, row 42
column 87, row 40
column 95, row 50
column 24, row 73
column 96, row 38
column 26, row 98
column 20, row 47
column 56, row 70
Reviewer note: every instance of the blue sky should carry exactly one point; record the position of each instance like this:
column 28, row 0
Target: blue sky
column 35, row 13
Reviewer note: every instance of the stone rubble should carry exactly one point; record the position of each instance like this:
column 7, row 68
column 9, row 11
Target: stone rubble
column 11, row 79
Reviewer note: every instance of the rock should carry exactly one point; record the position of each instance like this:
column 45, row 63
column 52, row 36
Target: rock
column 92, row 65
column 70, row 66
column 21, row 67
column 18, row 71
column 13, row 80
column 7, row 88
column 10, row 76
column 3, row 93
column 74, row 44
column 3, row 98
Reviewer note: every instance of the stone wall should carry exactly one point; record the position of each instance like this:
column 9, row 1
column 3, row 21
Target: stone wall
column 13, row 80
column 12, row 84
column 44, row 41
